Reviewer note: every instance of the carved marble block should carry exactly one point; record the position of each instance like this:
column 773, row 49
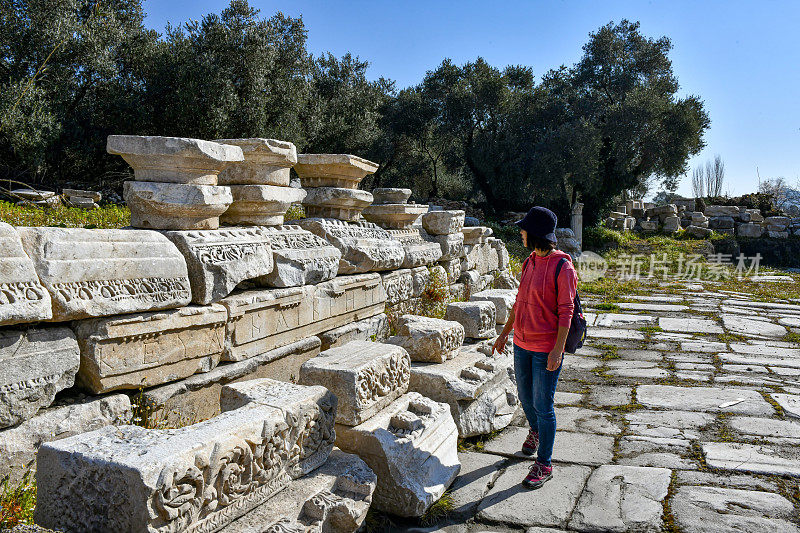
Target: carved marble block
column 503, row 300
column 34, row 365
column 502, row 253
column 300, row 258
column 429, row 340
column 418, row 246
column 365, row 247
column 173, row 159
column 22, row 296
column 391, row 196
column 175, row 206
column 481, row 257
column 452, row 268
column 365, row 376
column 375, row 328
column 443, row 222
column 266, row 162
column 333, row 170
column 476, row 234
column 218, row 260
column 100, row 272
column 263, row 205
column 261, row 320
column 478, row 318
column 421, row 277
column 452, row 245
column 394, row 216
column 399, row 286
column 411, row 445
column 197, row 478
column 479, row 390
column 336, row 202
column 147, row 349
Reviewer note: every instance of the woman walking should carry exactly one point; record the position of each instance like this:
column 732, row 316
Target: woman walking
column 540, row 319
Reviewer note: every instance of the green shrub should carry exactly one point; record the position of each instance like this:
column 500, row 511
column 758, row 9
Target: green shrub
column 106, row 216
column 17, row 501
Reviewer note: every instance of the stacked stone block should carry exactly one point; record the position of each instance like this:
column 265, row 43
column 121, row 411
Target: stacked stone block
column 81, row 198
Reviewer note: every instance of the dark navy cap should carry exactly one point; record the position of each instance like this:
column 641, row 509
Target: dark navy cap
column 540, row 222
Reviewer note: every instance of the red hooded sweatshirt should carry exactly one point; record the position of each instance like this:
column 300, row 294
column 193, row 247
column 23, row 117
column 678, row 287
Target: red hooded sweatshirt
column 537, row 313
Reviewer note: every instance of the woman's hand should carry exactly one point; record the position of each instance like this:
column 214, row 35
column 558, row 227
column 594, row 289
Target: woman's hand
column 499, row 345
column 554, row 359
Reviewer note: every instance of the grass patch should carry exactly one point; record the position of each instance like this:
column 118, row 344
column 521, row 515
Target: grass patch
column 731, row 337
column 610, row 351
column 792, row 337
column 17, row 501
column 295, row 212
column 106, row 216
column 669, row 519
column 440, row 509
column 477, row 443
column 780, row 413
column 606, row 306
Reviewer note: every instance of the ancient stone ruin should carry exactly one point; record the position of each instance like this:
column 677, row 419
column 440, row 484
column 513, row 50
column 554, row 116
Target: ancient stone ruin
column 216, row 367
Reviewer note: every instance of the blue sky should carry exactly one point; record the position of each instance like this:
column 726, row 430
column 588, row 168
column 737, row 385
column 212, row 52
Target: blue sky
column 742, row 58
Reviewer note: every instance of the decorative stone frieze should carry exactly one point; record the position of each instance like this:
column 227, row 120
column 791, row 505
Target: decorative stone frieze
column 266, row 162
column 22, row 296
column 333, row 170
column 443, row 222
column 503, row 300
column 478, row 318
column 394, row 216
column 452, row 268
column 175, row 206
column 428, row 340
column 336, row 202
column 421, row 277
column 100, row 272
column 419, row 248
column 375, row 328
column 451, row 245
column 300, row 257
column 399, row 286
column 263, row 205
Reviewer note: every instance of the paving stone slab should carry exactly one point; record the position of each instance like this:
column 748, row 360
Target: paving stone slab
column 747, row 326
column 603, row 396
column 478, row 470
column 708, row 399
column 769, row 348
column 569, row 447
column 689, row 325
column 765, row 427
column 585, row 421
column 760, row 459
column 622, row 498
column 651, row 307
column 567, row 398
column 551, row 506
column 789, row 402
column 772, row 361
column 726, row 480
column 655, row 451
column 610, row 320
column 610, row 333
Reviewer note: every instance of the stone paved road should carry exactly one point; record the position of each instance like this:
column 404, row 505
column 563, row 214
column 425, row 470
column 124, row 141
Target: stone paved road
column 681, row 414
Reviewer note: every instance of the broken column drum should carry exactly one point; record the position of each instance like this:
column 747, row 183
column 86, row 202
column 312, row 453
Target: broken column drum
column 331, row 181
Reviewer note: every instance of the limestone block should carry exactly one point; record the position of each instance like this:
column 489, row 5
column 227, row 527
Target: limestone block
column 481, row 257
column 364, row 376
column 671, row 224
column 721, row 211
column 391, row 196
column 778, row 221
column 399, row 286
column 629, row 223
column 479, row 389
column 503, row 300
column 778, row 234
column 266, row 162
column 502, row 253
column 411, row 446
column 147, row 349
column 476, row 234
column 33, row 194
column 478, row 318
column 755, row 216
column 698, row 231
column 83, row 203
column 364, row 246
column 173, row 159
column 300, row 257
column 34, row 365
column 749, row 230
column 428, row 340
column 668, row 210
column 394, row 216
column 99, row 272
column 91, row 195
column 261, row 320
column 721, row 222
column 22, row 296
column 421, row 278
column 263, row 205
column 175, row 206
column 420, row 249
column 335, row 497
column 197, row 397
column 443, row 222
column 486, row 281
column 333, row 170
column 336, row 202
column 471, row 279
column 775, row 227
column 18, row 445
column 451, row 245
column 375, row 328
column 618, row 215
column 452, row 268
column 505, row 280
column 197, row 478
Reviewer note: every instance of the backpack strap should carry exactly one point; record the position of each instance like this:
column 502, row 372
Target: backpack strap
column 558, row 271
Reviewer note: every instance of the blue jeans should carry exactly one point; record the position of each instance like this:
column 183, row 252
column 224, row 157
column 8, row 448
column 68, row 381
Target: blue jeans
column 536, row 387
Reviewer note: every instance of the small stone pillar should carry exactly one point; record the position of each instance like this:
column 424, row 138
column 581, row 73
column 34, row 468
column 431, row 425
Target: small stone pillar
column 576, row 222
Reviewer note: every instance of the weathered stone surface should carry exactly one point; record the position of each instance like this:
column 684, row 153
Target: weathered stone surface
column 143, row 477
column 668, row 424
column 505, row 280
column 713, row 509
column 419, row 248
column 365, row 376
column 391, row 196
column 671, row 224
column 751, row 327
column 34, row 365
column 749, row 230
column 33, row 194
column 760, row 459
column 175, row 206
column 394, row 216
column 428, row 340
column 411, row 445
column 478, row 388
column 476, row 234
column 656, row 452
column 173, row 159
column 266, row 162
column 708, row 399
column 364, row 246
column 721, row 211
column 261, row 320
column 147, row 349
column 335, row 497
column 790, row 403
column 452, row 268
column 421, row 277
column 478, row 318
column 83, row 203
column 720, row 223
column 503, row 300
column 503, row 260
column 218, row 260
column 399, row 286
column 443, row 222
column 98, row 272
column 336, row 202
column 698, row 231
column 452, row 245
column 622, row 498
column 299, row 257
column 263, row 205
column 689, row 325
column 22, row 296
column 585, row 421
column 375, row 328
column 332, row 170
column 18, row 445
column 477, row 472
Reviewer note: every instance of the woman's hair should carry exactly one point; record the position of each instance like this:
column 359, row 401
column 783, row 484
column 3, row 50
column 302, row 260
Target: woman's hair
column 539, row 243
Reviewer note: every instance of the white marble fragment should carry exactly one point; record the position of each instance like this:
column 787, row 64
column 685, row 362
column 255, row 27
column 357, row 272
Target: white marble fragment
column 478, row 318
column 300, row 257
column 175, row 206
column 22, row 296
column 333, row 170
column 260, row 205
column 443, row 222
column 429, row 340
column 503, row 300
column 266, row 162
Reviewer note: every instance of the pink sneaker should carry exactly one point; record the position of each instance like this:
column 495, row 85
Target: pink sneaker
column 531, row 443
column 537, row 476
